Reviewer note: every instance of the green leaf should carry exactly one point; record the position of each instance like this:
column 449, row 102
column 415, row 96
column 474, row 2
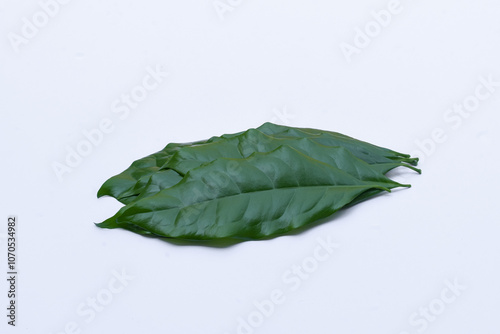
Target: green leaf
column 370, row 153
column 122, row 186
column 127, row 185
column 257, row 197
column 244, row 144
column 253, row 184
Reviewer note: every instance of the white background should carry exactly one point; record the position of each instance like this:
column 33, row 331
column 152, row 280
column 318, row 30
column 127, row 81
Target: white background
column 279, row 61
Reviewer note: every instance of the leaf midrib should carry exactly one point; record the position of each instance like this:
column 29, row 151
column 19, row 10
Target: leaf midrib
column 250, row 192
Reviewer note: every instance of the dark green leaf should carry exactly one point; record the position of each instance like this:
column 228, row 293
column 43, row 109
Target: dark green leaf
column 249, row 185
column 127, row 185
column 252, row 198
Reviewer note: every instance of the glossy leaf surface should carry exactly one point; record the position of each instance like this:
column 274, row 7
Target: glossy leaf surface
column 253, row 198
column 254, row 184
column 182, row 157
